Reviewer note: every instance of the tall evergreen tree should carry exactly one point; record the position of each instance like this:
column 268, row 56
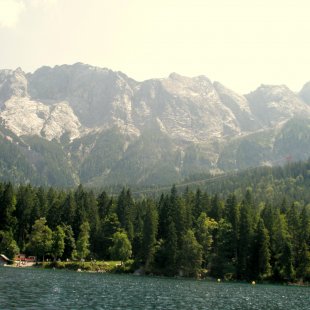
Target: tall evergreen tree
column 82, row 244
column 24, row 206
column 245, row 242
column 7, row 207
column 293, row 223
column 170, row 251
column 222, row 263
column 286, row 261
column 104, row 205
column 261, row 252
column 124, row 210
column 190, row 254
column 149, row 233
column 217, row 208
column 232, row 211
column 69, row 240
column 69, row 209
column 108, row 228
column 58, row 243
column 303, row 266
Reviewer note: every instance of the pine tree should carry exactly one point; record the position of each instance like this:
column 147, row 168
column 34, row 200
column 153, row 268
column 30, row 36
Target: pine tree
column 217, row 208
column 149, row 233
column 286, row 262
column 303, row 267
column 261, row 252
column 124, row 210
column 232, row 210
column 108, row 228
column 24, row 206
column 7, row 207
column 82, row 244
column 198, row 204
column 164, row 215
column 188, row 198
column 170, row 252
column 104, row 205
column 70, row 246
column 58, row 243
column 281, row 248
column 245, row 242
column 69, row 210
column 190, row 255
column 293, row 222
column 222, row 263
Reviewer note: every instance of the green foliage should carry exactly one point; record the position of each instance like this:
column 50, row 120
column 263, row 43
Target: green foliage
column 8, row 245
column 41, row 238
column 82, row 244
column 109, row 226
column 149, row 233
column 69, row 251
column 261, row 252
column 222, row 262
column 259, row 230
column 167, row 256
column 190, row 255
column 58, row 242
column 204, row 231
column 121, row 248
column 7, row 208
column 244, row 242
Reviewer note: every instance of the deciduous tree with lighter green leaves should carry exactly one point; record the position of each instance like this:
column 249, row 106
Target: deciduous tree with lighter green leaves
column 121, row 248
column 40, row 242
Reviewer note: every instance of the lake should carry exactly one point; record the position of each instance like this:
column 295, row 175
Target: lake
column 22, row 288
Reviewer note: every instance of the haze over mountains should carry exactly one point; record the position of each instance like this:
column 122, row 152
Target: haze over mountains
column 78, row 123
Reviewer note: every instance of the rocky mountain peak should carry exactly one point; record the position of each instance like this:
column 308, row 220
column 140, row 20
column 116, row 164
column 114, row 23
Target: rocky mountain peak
column 12, row 83
column 305, row 93
column 276, row 103
column 179, row 124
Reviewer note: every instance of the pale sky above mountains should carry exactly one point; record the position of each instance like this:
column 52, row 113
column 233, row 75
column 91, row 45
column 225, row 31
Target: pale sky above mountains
column 241, row 43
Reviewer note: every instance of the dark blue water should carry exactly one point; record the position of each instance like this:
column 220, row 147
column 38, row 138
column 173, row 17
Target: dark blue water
column 55, row 289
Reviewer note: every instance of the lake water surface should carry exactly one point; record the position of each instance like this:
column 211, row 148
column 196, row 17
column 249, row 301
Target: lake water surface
column 55, row 289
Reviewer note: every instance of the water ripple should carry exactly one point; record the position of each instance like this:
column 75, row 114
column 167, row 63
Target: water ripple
column 54, row 289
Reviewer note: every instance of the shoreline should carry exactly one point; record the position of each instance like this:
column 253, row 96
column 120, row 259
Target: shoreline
column 116, row 268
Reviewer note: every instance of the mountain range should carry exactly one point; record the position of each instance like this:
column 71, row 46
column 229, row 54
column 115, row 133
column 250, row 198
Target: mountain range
column 77, row 123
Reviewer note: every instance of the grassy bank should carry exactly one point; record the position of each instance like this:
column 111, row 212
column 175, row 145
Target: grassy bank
column 92, row 266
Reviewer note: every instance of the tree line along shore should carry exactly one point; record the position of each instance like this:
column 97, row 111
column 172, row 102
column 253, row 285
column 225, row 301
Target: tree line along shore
column 189, row 233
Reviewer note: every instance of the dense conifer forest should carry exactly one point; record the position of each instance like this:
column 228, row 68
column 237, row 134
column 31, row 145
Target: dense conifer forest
column 249, row 226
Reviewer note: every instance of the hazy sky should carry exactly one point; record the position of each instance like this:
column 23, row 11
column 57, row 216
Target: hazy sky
column 241, row 43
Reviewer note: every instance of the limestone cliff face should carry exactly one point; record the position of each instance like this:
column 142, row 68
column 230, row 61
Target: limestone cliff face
column 187, row 122
column 275, row 104
column 79, row 97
